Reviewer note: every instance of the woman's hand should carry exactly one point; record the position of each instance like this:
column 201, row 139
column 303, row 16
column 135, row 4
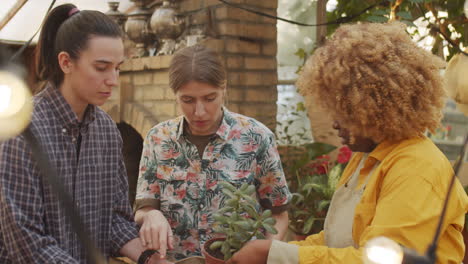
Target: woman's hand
column 254, row 252
column 156, row 233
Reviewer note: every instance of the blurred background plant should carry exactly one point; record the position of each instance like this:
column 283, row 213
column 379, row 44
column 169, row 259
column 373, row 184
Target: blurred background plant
column 316, row 182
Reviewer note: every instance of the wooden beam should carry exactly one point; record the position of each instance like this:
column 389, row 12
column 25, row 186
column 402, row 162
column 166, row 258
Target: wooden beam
column 321, row 18
column 18, row 5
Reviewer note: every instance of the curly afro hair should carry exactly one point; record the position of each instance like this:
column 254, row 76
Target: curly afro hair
column 376, row 82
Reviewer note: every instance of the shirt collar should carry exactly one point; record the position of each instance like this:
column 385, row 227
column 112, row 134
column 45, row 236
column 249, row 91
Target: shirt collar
column 63, row 109
column 223, row 130
column 382, row 150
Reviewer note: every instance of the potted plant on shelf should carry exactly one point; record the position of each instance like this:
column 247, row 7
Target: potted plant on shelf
column 316, row 183
column 237, row 222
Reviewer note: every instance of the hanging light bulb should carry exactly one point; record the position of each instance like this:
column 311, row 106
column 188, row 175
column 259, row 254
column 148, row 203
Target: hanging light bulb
column 465, row 8
column 15, row 105
column 381, row 250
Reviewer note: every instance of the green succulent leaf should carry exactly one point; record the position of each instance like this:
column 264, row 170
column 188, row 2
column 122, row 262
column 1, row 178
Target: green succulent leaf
column 269, row 221
column 266, row 214
column 250, row 190
column 221, row 219
column 228, row 193
column 250, row 210
column 227, row 185
column 270, row 229
column 243, row 224
column 260, row 236
column 215, row 245
column 226, row 250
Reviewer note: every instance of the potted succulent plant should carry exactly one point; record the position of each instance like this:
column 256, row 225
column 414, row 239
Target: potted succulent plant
column 237, row 222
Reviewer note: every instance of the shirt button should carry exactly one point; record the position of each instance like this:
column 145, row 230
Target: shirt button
column 73, row 139
column 64, row 130
column 201, row 206
column 77, row 205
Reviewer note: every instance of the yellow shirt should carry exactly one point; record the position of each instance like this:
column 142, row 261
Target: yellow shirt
column 402, row 201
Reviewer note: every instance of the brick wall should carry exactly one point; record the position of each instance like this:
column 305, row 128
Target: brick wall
column 247, row 45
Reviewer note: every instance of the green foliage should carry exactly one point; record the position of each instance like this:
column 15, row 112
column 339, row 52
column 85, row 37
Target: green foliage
column 447, row 16
column 313, row 188
column 284, row 134
column 239, row 221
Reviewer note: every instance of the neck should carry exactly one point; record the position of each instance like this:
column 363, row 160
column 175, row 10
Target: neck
column 77, row 106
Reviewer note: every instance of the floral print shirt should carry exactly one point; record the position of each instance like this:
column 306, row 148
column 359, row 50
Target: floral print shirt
column 185, row 188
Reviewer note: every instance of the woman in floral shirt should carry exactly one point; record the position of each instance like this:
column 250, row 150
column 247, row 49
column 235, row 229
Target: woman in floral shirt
column 184, row 159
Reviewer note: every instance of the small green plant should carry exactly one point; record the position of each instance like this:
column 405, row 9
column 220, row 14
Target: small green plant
column 239, row 220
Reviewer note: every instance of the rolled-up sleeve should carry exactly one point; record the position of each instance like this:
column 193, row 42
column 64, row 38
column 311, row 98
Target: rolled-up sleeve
column 23, row 233
column 148, row 191
column 272, row 190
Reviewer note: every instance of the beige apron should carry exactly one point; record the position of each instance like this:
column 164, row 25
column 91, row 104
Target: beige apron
column 338, row 227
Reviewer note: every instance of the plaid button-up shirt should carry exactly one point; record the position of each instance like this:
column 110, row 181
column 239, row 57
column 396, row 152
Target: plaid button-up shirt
column 33, row 227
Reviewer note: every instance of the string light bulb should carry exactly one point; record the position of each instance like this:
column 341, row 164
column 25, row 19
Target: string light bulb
column 15, row 105
column 382, row 250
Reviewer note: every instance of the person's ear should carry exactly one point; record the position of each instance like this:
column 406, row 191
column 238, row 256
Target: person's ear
column 65, row 62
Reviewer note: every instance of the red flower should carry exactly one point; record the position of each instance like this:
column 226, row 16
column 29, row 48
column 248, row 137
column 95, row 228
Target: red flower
column 235, row 133
column 171, row 154
column 263, row 192
column 192, row 177
column 251, row 147
column 181, row 193
column 320, row 165
column 210, row 184
column 344, row 155
column 154, row 188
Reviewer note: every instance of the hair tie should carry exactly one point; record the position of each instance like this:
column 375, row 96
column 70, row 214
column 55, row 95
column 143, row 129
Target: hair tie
column 73, row 11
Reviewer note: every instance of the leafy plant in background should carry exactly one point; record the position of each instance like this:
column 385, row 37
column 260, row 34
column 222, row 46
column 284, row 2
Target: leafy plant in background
column 316, row 183
column 436, row 16
column 239, row 220
column 291, row 131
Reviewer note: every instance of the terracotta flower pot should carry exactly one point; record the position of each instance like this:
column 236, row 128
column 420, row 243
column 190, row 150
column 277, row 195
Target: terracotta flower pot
column 209, row 259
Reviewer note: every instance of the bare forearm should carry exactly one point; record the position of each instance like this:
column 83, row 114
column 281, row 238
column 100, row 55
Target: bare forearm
column 140, row 214
column 282, row 221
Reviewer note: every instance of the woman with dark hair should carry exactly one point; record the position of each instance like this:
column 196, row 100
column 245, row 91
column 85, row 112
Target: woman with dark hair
column 79, row 54
column 384, row 92
column 185, row 158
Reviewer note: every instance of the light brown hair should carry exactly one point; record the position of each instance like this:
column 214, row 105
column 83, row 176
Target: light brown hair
column 196, row 63
column 376, row 82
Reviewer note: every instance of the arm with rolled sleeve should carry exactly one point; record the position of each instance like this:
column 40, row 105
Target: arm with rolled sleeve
column 395, row 217
column 147, row 190
column 21, row 209
column 273, row 191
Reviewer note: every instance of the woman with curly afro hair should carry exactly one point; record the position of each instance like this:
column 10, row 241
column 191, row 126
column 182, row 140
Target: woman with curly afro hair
column 384, row 93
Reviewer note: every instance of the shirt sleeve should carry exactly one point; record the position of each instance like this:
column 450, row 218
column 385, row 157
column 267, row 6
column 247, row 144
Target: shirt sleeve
column 312, row 240
column 395, row 217
column 281, row 252
column 272, row 190
column 23, row 233
column 124, row 228
column 148, row 191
